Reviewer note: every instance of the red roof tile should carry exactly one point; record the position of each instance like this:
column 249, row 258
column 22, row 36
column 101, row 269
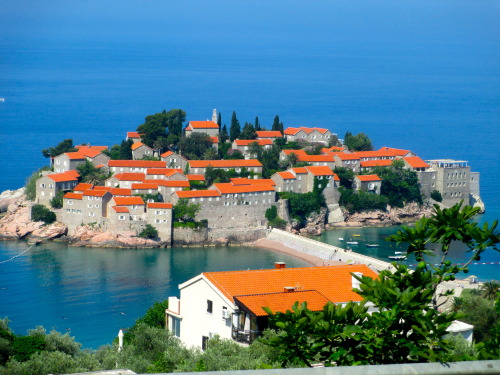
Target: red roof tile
column 320, row 171
column 121, row 191
column 91, row 151
column 73, row 196
column 128, row 201
column 293, row 131
column 247, row 142
column 333, row 282
column 202, row 125
column 137, row 163
column 136, row 145
column 120, row 209
column 144, row 186
column 395, row 151
column 63, row 177
column 197, row 193
column 299, row 170
column 82, row 186
column 130, row 176
column 160, row 205
column 416, row 162
column 346, row 156
column 228, row 188
column 376, row 163
column 268, row 134
column 106, row 188
column 133, row 135
column 195, row 177
column 74, row 155
column 95, row 193
column 239, row 163
column 368, row 177
column 169, row 183
column 214, row 139
column 316, row 158
column 286, row 175
column 166, row 154
column 252, row 181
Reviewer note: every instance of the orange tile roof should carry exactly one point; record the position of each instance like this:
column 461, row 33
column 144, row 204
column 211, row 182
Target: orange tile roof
column 166, row 154
column 202, row 125
column 376, row 154
column 120, row 209
column 333, row 282
column 225, row 163
column 332, row 149
column 197, row 193
column 74, row 155
column 299, row 170
column 136, row 145
column 195, row 177
column 128, row 201
column 281, row 302
column 73, row 196
column 163, row 171
column 130, row 176
column 133, row 135
column 395, row 151
column 346, row 156
column 63, row 177
column 95, row 193
column 106, row 188
column 169, row 183
column 228, row 188
column 368, row 177
column 335, row 177
column 316, row 158
column 121, row 191
column 286, row 175
column 91, row 151
column 296, row 152
column 144, row 186
column 269, row 134
column 416, row 162
column 247, row 142
column 376, row 163
column 293, row 131
column 320, row 171
column 137, row 163
column 214, row 139
column 73, row 173
column 252, row 181
column 159, row 205
column 82, row 186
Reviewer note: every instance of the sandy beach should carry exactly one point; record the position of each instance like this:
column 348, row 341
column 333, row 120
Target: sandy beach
column 279, row 247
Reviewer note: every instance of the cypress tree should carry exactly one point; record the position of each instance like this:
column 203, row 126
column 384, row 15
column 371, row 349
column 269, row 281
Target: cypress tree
column 257, row 124
column 235, row 129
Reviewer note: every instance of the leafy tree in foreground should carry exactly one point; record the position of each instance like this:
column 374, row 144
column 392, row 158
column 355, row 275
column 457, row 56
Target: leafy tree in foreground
column 407, row 326
column 248, row 132
column 436, row 195
column 64, row 146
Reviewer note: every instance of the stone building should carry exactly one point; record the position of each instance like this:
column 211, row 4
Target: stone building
column 68, row 161
column 167, row 187
column 244, row 146
column 368, row 165
column 369, row 183
column 125, row 179
column 452, row 180
column 135, row 205
column 133, row 136
column 271, row 135
column 308, row 134
column 159, row 215
column 208, row 127
column 200, row 166
column 345, row 160
column 140, row 150
column 49, row 185
column 165, row 174
column 94, row 154
column 174, row 160
column 117, row 166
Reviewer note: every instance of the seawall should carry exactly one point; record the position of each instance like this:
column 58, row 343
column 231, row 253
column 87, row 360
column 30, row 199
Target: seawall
column 325, row 251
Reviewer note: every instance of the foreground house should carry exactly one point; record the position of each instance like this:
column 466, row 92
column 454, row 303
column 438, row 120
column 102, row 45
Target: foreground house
column 229, row 304
column 49, row 185
column 308, row 134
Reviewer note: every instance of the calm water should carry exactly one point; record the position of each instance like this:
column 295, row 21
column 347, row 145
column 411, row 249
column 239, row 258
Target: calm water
column 94, row 292
column 419, row 74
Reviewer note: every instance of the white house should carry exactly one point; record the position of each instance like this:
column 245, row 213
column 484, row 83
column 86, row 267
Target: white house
column 229, row 304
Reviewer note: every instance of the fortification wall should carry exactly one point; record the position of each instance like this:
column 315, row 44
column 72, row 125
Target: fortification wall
column 325, row 251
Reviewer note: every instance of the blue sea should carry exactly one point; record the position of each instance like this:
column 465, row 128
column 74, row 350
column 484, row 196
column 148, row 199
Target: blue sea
column 419, row 75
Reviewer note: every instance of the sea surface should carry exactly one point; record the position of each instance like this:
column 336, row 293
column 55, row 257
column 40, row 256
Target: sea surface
column 422, row 75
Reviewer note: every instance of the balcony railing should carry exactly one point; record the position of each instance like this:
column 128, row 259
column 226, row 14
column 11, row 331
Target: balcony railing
column 245, row 337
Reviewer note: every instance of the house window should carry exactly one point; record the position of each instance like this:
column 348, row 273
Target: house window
column 204, row 342
column 176, row 327
column 209, row 306
column 121, row 217
column 43, row 186
column 70, row 203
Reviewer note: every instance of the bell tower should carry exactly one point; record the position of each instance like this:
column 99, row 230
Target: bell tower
column 214, row 116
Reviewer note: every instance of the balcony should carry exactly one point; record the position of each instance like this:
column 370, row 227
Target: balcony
column 245, row 337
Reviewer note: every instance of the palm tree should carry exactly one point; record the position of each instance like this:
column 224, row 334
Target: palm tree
column 490, row 289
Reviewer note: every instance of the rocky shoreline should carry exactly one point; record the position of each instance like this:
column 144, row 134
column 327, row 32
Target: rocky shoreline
column 16, row 224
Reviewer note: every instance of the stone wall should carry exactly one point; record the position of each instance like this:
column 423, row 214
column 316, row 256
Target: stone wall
column 221, row 236
column 325, row 251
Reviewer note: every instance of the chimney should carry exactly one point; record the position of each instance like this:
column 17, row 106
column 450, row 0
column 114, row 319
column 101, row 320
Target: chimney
column 288, row 289
column 355, row 282
column 279, row 265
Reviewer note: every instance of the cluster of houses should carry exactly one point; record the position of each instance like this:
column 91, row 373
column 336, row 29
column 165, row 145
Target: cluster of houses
column 126, row 201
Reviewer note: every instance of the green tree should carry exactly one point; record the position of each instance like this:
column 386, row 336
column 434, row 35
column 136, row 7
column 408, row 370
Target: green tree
column 400, row 185
column 223, row 135
column 155, row 315
column 490, row 289
column 219, row 119
column 257, row 125
column 122, row 151
column 358, row 142
column 30, row 186
column 64, row 146
column 161, row 125
column 148, row 232
column 92, row 175
column 255, row 150
column 235, row 129
column 277, row 125
column 195, row 146
column 346, row 176
column 185, row 211
column 436, row 195
column 41, row 213
column 233, row 154
column 57, row 201
column 248, row 132
column 211, row 154
column 270, row 161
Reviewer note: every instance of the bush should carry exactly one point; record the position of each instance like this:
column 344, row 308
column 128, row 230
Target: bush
column 360, row 201
column 271, row 213
column 30, row 186
column 25, row 346
column 42, row 213
column 436, row 195
column 57, row 201
column 278, row 223
column 149, row 232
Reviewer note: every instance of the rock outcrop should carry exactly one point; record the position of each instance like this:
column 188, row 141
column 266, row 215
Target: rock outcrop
column 88, row 236
column 393, row 216
column 315, row 224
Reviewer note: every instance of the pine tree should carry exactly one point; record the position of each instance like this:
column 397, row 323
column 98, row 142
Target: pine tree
column 219, row 119
column 235, row 129
column 277, row 125
column 257, row 124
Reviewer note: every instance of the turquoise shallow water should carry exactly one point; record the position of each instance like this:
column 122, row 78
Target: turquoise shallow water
column 92, row 293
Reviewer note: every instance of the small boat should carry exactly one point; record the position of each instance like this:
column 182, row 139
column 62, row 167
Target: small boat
column 2, row 99
column 397, row 257
column 356, row 235
column 372, row 245
column 400, row 252
column 352, row 242
column 341, row 239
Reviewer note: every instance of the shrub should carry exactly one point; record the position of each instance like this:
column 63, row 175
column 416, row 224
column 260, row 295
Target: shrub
column 30, row 186
column 57, row 201
column 360, row 201
column 149, row 232
column 436, row 195
column 278, row 223
column 42, row 213
column 271, row 213
column 25, row 346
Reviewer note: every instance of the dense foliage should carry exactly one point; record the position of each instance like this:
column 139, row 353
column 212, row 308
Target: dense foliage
column 436, row 195
column 64, row 146
column 273, row 219
column 185, row 211
column 346, row 176
column 123, row 151
column 148, row 232
column 92, row 175
column 235, row 128
column 195, row 146
column 30, row 186
column 357, row 201
column 41, row 213
column 57, row 201
column 358, row 142
column 164, row 126
column 407, row 325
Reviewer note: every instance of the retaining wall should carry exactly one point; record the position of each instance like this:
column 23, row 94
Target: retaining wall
column 325, row 251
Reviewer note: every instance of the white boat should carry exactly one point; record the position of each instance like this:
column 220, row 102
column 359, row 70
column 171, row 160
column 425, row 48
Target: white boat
column 2, row 99
column 341, row 239
column 400, row 252
column 352, row 242
column 372, row 245
column 397, row 257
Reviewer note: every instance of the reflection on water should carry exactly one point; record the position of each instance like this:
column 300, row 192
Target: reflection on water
column 94, row 292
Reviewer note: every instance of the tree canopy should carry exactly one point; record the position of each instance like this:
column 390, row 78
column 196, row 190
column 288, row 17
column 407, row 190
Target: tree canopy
column 358, row 142
column 277, row 125
column 399, row 185
column 235, row 129
column 64, row 146
column 248, row 132
column 195, row 146
column 162, row 124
